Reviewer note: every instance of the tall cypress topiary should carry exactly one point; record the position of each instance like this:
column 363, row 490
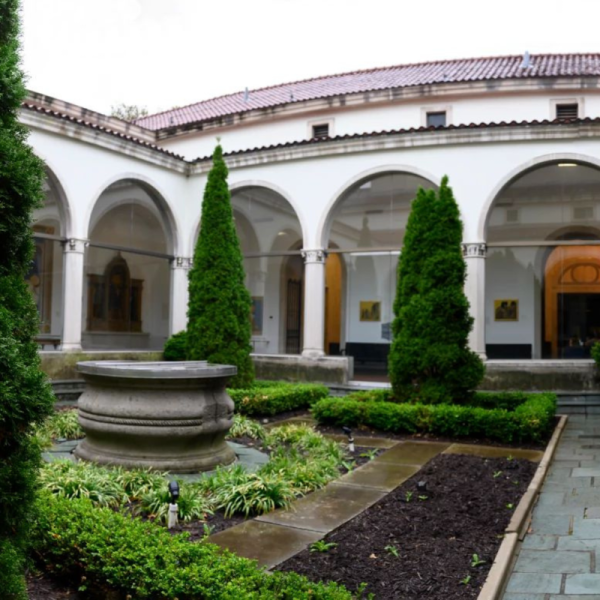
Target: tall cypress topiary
column 25, row 397
column 219, row 306
column 430, row 360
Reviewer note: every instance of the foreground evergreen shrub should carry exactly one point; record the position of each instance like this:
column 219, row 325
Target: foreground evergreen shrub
column 25, row 397
column 73, row 538
column 518, row 417
column 429, row 358
column 270, row 399
column 219, row 329
column 176, row 347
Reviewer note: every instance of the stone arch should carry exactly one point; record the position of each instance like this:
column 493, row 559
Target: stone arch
column 165, row 212
column 324, row 227
column 520, row 171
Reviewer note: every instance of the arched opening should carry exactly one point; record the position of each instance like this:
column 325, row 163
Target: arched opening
column 271, row 239
column 45, row 278
column 543, row 251
column 366, row 232
column 127, row 274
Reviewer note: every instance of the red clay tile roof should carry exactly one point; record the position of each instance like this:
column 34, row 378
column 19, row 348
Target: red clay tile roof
column 447, row 71
column 411, row 130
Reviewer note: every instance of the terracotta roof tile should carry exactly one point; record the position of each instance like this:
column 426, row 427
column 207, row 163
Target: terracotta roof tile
column 447, row 71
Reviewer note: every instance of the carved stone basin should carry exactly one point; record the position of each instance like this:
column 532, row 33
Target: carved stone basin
column 171, row 416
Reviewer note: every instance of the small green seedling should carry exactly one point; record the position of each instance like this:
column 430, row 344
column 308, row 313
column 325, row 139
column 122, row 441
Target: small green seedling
column 476, row 561
column 207, row 530
column 392, row 550
column 370, row 454
column 349, row 465
column 322, row 546
column 423, row 498
column 497, row 474
column 510, row 457
column 510, row 506
column 466, row 580
column 408, row 496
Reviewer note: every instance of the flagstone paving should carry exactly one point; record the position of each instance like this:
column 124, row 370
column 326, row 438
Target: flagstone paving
column 560, row 556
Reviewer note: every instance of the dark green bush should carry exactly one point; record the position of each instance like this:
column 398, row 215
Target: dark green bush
column 268, row 399
column 106, row 550
column 518, row 418
column 595, row 352
column 430, row 360
column 219, row 328
column 25, row 397
column 175, row 347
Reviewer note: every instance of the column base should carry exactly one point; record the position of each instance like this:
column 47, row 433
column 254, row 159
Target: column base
column 71, row 347
column 308, row 353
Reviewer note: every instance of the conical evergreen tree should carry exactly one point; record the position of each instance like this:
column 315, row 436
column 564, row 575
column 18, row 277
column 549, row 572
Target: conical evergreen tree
column 430, row 360
column 25, row 397
column 219, row 328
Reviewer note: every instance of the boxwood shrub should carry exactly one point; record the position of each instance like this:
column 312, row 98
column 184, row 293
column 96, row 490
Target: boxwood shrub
column 107, row 551
column 505, row 417
column 271, row 398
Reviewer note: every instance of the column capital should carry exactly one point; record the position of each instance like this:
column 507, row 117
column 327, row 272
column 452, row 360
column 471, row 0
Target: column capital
column 75, row 245
column 314, row 256
column 478, row 250
column 181, row 262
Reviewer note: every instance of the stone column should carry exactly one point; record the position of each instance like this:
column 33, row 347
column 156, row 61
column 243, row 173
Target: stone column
column 73, row 258
column 475, row 290
column 180, row 267
column 314, row 303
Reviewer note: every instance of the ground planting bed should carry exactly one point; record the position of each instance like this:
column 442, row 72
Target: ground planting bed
column 406, row 548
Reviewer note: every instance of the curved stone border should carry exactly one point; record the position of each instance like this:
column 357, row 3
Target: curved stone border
column 494, row 585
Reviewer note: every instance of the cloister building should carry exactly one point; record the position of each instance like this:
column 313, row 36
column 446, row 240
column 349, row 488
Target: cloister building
column 322, row 174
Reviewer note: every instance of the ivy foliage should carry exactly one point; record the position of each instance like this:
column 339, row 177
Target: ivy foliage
column 219, row 307
column 430, row 360
column 25, row 397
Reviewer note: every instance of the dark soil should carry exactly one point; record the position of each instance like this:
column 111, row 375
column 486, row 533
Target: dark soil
column 469, row 502
column 44, row 587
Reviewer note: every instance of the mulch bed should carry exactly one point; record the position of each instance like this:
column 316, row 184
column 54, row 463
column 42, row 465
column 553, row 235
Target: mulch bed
column 469, row 502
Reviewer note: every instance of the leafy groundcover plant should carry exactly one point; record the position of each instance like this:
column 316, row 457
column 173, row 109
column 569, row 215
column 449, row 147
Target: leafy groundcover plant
column 79, row 515
column 505, row 417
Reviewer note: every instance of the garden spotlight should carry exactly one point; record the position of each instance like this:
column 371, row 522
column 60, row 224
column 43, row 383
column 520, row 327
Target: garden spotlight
column 348, row 432
column 173, row 510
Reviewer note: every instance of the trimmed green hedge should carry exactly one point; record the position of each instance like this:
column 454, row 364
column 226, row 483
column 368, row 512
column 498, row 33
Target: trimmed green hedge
column 269, row 398
column 507, row 417
column 106, row 550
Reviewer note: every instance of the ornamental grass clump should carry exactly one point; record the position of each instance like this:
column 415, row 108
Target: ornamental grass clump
column 25, row 396
column 219, row 328
column 430, row 360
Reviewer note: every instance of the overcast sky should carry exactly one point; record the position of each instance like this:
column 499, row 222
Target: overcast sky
column 165, row 53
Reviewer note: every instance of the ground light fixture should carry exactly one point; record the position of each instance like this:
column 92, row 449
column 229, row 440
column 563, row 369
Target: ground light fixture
column 174, row 491
column 348, row 432
column 422, row 486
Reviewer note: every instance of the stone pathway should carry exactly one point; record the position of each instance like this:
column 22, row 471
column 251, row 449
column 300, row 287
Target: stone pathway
column 560, row 556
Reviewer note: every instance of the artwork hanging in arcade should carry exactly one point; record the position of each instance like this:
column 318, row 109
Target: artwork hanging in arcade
column 506, row 310
column 256, row 315
column 370, row 311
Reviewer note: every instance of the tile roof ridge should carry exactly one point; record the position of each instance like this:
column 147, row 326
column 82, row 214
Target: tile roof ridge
column 363, row 71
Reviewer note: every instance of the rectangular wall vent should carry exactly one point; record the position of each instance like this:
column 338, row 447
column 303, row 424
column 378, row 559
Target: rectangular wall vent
column 320, row 131
column 567, row 111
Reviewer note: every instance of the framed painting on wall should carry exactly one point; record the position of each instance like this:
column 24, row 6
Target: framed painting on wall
column 370, row 311
column 506, row 310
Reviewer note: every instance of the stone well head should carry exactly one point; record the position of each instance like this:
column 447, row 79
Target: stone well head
column 171, row 416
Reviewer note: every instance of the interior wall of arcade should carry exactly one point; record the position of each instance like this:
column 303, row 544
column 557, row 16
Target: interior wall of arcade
column 402, row 114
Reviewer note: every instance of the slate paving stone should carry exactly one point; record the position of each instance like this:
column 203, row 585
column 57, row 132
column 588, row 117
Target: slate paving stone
column 587, row 471
column 576, row 511
column 412, row 453
column 586, row 529
column 540, row 542
column 553, row 561
column 267, row 543
column 537, row 583
column 380, row 475
column 551, row 524
column 494, row 452
column 570, row 543
column 573, row 597
column 325, row 509
column 551, row 499
column 582, row 584
column 524, row 596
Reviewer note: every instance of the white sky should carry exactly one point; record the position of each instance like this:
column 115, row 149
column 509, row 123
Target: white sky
column 163, row 53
